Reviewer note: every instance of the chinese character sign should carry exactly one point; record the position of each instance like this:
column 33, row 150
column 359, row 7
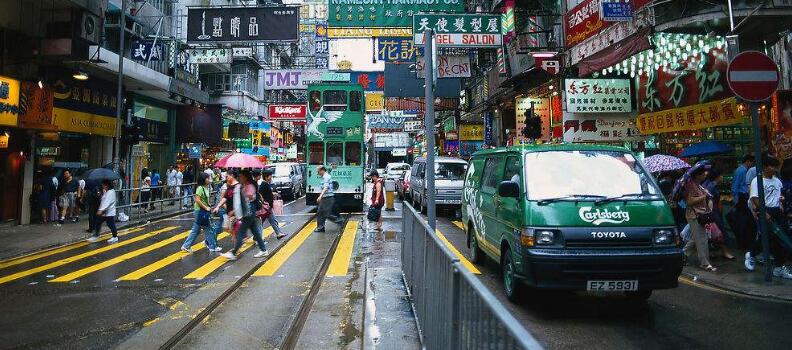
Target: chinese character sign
column 210, row 56
column 396, row 50
column 370, row 81
column 452, row 30
column 583, row 21
column 242, row 24
column 145, row 50
column 384, row 13
column 585, row 127
column 471, row 132
column 9, row 101
column 598, row 95
column 706, row 115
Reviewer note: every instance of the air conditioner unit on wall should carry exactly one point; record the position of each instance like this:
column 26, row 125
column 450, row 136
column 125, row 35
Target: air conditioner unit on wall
column 90, row 27
column 137, row 28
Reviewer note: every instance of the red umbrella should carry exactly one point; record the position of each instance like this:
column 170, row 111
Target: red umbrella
column 239, row 160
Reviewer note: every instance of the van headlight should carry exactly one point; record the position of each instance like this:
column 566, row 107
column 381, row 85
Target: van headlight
column 664, row 237
column 544, row 237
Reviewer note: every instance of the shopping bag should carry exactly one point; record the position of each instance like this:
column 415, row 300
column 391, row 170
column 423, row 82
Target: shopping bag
column 277, row 207
column 715, row 233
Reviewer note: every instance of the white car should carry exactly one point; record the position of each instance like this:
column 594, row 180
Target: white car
column 394, row 171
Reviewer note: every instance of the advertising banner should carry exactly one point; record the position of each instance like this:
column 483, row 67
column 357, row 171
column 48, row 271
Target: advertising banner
column 451, row 147
column 386, row 122
column 600, row 127
column 352, row 32
column 413, row 125
column 286, row 112
column 87, row 107
column 291, row 79
column 447, row 67
column 9, row 101
column 145, row 50
column 35, row 111
column 467, row 148
column 459, row 30
column 706, row 115
column 583, row 21
column 616, row 11
column 245, row 24
column 449, row 124
column 384, row 13
column 542, row 109
column 375, row 101
column 396, row 50
column 598, row 95
column 204, row 56
column 471, row 132
column 611, row 36
column 370, row 81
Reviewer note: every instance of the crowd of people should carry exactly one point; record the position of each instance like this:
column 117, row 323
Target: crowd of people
column 696, row 199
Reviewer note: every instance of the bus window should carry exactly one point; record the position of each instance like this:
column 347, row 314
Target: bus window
column 352, row 153
column 317, row 153
column 335, row 153
column 316, row 100
column 335, row 100
column 355, row 101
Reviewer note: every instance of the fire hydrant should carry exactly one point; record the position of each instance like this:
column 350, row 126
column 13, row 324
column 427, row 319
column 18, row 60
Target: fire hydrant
column 390, row 194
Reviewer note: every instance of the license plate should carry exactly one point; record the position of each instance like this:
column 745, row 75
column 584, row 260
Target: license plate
column 612, row 286
column 358, row 196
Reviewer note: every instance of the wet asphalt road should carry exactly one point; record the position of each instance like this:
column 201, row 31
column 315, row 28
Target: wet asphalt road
column 90, row 309
column 691, row 316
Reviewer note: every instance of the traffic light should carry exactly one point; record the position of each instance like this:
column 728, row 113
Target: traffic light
column 533, row 125
column 133, row 133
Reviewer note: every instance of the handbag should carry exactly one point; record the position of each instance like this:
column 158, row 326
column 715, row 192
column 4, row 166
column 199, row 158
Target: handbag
column 277, row 207
column 714, row 232
column 705, row 219
column 264, row 210
column 202, row 218
column 374, row 213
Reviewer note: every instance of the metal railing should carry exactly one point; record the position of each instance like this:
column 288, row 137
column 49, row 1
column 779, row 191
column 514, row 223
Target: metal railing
column 160, row 198
column 454, row 310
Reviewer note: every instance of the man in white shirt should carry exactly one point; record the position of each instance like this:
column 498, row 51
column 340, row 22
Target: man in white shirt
column 170, row 177
column 775, row 215
column 177, row 191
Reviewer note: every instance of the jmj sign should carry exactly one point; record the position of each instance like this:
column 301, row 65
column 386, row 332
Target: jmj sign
column 287, row 112
column 456, row 30
column 290, row 79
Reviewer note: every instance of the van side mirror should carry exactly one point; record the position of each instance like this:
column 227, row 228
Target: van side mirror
column 509, row 189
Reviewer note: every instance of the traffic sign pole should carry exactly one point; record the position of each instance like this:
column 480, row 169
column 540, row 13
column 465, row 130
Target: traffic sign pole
column 763, row 232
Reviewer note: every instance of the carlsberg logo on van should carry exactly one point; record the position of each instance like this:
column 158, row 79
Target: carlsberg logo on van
column 600, row 216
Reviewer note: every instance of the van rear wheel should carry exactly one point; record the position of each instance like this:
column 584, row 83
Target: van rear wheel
column 476, row 255
column 511, row 286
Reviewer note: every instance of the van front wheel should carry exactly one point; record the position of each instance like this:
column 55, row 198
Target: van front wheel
column 511, row 286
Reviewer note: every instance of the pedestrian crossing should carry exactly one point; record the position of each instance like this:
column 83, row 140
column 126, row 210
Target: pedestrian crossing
column 135, row 257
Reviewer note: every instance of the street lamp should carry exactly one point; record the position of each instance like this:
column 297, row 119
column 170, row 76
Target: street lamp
column 80, row 75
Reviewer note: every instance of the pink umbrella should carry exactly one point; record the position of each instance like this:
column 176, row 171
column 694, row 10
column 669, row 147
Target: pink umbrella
column 239, row 160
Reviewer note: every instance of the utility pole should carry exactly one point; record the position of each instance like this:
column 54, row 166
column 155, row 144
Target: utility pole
column 119, row 95
column 430, row 122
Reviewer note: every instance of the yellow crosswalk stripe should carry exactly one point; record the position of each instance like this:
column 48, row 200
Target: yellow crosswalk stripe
column 216, row 263
column 119, row 259
column 339, row 266
column 459, row 224
column 170, row 259
column 462, row 259
column 91, row 253
column 58, row 250
column 274, row 263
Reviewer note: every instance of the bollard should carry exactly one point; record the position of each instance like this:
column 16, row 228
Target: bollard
column 390, row 194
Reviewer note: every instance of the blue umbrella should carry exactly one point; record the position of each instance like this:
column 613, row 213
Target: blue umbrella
column 705, row 148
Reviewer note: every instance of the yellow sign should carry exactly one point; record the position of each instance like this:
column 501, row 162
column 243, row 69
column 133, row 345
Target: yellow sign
column 471, row 132
column 345, row 65
column 81, row 122
column 4, row 140
column 356, row 32
column 375, row 101
column 9, row 101
column 706, row 115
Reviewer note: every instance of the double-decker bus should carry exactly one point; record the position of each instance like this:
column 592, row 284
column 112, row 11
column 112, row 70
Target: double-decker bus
column 334, row 136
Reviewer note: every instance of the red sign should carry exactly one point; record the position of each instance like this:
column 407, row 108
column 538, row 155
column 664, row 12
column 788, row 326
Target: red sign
column 753, row 76
column 583, row 21
column 287, row 112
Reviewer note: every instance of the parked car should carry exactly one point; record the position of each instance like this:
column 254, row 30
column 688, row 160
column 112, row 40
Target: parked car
column 570, row 217
column 288, row 180
column 393, row 171
column 403, row 186
column 449, row 174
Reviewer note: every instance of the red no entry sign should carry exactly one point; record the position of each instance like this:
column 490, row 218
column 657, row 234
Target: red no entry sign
column 753, row 76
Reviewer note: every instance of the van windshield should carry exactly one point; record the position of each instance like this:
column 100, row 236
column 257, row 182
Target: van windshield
column 282, row 170
column 450, row 171
column 577, row 174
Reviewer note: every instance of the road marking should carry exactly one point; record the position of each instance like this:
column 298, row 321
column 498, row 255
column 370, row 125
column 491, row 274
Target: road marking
column 465, row 262
column 459, row 224
column 216, row 263
column 170, row 259
column 119, row 259
column 91, row 253
column 274, row 263
column 339, row 266
column 58, row 250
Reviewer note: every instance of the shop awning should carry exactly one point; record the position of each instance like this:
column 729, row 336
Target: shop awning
column 618, row 52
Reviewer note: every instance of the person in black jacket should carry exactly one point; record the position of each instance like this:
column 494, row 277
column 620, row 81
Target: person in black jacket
column 265, row 189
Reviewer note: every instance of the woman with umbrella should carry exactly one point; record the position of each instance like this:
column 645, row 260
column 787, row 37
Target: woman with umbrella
column 698, row 211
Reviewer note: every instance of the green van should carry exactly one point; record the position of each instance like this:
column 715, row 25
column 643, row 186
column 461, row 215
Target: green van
column 570, row 217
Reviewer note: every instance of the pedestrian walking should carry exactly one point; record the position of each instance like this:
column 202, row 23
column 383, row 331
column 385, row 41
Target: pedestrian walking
column 156, row 191
column 54, row 212
column 202, row 212
column 145, row 193
column 377, row 200
column 93, row 196
column 179, row 182
column 698, row 213
column 44, row 190
column 106, row 212
column 326, row 200
column 245, row 199
column 714, row 179
column 170, row 177
column 267, row 195
column 775, row 215
column 67, row 197
column 740, row 219
column 189, row 179
column 80, row 198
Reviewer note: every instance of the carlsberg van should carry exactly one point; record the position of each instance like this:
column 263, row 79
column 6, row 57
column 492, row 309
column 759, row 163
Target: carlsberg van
column 570, row 217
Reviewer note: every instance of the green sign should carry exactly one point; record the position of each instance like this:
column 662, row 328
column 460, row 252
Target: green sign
column 384, row 13
column 335, row 77
column 449, row 124
column 459, row 30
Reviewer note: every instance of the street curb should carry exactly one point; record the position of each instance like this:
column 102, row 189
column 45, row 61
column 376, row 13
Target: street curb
column 708, row 282
column 61, row 244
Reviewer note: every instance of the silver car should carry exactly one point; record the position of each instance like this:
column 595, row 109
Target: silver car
column 449, row 174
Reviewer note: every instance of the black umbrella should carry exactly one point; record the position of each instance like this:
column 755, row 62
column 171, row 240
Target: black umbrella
column 100, row 174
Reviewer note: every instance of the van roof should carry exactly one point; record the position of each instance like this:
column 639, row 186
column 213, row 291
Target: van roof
column 442, row 159
column 553, row 147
